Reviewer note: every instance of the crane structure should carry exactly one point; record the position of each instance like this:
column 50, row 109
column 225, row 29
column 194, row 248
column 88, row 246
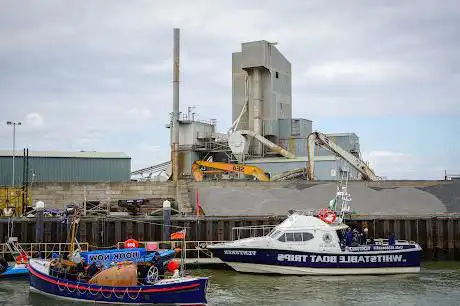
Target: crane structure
column 221, row 167
column 323, row 141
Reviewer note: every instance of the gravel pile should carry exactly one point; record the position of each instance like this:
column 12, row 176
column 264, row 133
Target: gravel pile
column 242, row 201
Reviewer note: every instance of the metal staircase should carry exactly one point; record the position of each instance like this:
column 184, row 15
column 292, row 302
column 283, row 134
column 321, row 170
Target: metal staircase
column 14, row 247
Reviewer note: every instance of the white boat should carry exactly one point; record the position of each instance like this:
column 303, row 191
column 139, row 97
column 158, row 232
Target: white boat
column 309, row 243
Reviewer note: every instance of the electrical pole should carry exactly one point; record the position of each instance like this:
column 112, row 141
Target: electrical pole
column 13, row 123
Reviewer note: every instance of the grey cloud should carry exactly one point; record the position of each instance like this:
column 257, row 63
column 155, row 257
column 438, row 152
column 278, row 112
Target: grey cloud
column 84, row 65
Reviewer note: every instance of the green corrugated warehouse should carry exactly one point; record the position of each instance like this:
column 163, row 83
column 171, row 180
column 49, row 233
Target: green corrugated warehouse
column 44, row 166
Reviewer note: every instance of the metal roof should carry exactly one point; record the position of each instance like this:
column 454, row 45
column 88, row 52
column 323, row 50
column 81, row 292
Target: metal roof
column 60, row 154
column 340, row 134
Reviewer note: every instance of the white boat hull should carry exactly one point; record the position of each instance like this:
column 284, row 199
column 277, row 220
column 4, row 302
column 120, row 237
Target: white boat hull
column 289, row 270
column 395, row 260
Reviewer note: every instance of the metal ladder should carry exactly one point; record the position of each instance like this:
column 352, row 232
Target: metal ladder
column 14, row 247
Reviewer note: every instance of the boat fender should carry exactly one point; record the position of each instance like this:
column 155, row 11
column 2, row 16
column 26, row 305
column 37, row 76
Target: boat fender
column 21, row 259
column 172, row 266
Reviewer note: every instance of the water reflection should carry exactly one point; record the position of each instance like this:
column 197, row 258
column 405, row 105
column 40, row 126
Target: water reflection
column 433, row 286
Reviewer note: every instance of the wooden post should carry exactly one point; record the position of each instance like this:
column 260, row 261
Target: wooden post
column 118, row 237
column 450, row 239
column 140, row 231
column 407, row 230
column 429, row 238
column 209, row 231
column 386, row 228
column 220, row 230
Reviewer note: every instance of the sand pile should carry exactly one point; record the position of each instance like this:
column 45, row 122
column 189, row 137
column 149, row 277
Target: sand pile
column 242, row 201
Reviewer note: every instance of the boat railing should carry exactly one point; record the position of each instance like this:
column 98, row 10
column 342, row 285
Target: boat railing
column 241, row 232
column 32, row 249
column 384, row 241
column 310, row 212
column 315, row 212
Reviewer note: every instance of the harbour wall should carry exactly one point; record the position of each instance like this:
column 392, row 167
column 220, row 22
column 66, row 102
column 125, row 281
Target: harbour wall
column 57, row 195
column 243, row 198
column 439, row 236
column 427, row 212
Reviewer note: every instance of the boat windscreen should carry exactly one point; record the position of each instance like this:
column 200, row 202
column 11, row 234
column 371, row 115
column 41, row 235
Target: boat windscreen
column 274, row 233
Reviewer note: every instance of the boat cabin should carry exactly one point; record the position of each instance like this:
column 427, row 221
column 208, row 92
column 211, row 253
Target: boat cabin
column 308, row 230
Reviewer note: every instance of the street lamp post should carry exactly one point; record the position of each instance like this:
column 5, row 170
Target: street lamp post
column 13, row 123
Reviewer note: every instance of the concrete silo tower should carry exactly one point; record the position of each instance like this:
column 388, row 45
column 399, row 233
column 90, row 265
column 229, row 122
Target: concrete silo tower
column 261, row 82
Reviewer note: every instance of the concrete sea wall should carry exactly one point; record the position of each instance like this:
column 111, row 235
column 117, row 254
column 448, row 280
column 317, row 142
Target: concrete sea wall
column 57, row 195
column 243, row 198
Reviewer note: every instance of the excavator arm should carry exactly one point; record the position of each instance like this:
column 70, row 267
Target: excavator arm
column 254, row 171
column 323, row 141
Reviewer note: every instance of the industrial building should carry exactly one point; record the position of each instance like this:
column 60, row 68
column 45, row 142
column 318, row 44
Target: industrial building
column 41, row 166
column 261, row 91
column 263, row 134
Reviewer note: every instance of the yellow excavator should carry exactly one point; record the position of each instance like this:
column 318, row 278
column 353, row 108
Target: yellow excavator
column 220, row 167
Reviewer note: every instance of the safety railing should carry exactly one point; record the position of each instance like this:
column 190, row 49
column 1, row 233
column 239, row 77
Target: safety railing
column 315, row 212
column 383, row 241
column 46, row 249
column 193, row 249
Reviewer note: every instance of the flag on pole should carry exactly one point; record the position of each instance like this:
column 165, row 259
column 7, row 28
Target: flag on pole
column 178, row 235
column 197, row 203
column 333, row 204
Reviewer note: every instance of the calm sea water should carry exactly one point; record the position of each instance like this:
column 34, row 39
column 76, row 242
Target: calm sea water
column 437, row 284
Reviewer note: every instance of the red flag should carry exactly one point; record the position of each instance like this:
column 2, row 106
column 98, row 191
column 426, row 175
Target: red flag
column 197, row 203
column 178, row 235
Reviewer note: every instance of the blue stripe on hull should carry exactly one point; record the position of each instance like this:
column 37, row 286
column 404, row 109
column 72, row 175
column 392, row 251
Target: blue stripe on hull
column 195, row 295
column 15, row 273
column 117, row 255
column 319, row 260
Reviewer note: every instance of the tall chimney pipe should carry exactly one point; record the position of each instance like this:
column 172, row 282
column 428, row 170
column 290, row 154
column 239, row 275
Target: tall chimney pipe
column 175, row 116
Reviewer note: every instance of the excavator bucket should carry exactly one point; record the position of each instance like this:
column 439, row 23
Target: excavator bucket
column 197, row 173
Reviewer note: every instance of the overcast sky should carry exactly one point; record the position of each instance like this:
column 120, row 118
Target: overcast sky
column 96, row 75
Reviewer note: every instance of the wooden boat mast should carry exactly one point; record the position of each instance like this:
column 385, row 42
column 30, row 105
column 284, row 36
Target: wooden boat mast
column 75, row 221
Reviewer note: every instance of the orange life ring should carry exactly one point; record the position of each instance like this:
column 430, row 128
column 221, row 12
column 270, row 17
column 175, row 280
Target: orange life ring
column 327, row 215
column 21, row 259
